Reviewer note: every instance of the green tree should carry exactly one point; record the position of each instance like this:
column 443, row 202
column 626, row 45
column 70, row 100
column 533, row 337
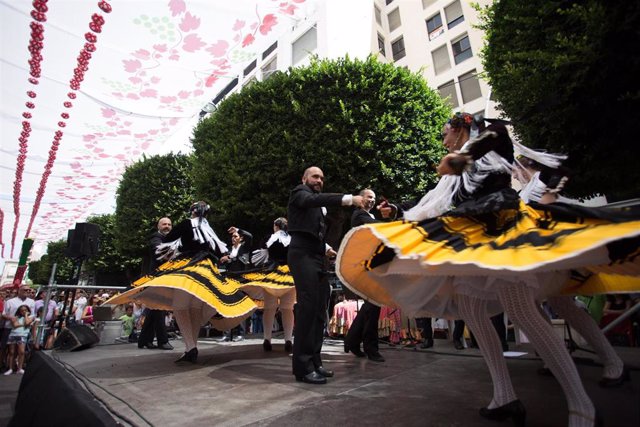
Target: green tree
column 40, row 271
column 566, row 73
column 151, row 188
column 364, row 123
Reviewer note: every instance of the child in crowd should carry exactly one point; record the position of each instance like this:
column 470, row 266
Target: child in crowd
column 128, row 322
column 18, row 336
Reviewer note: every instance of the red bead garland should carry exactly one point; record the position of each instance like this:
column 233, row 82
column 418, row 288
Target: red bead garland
column 97, row 21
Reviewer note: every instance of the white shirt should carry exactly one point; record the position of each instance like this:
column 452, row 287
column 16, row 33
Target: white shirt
column 80, row 304
column 12, row 305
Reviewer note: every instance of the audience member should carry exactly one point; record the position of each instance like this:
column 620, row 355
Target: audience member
column 21, row 321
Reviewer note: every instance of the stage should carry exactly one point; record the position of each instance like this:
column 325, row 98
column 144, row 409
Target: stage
column 237, row 384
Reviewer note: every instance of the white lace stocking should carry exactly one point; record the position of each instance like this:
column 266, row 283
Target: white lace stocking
column 519, row 304
column 474, row 312
column 584, row 324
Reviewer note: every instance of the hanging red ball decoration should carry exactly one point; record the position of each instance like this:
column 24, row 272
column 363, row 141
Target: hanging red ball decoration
column 90, row 37
column 33, row 81
column 31, row 94
column 30, row 105
column 90, row 47
column 64, row 115
column 96, row 28
column 67, row 104
column 26, row 115
column 106, row 7
column 62, row 124
column 38, row 16
column 97, row 18
column 71, row 95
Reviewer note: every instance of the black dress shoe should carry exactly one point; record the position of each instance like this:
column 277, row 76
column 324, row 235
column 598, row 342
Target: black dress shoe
column 147, row 345
column 514, row 410
column 375, row 357
column 266, row 345
column 288, row 346
column 428, row 343
column 312, row 378
column 353, row 349
column 165, row 346
column 324, row 372
column 189, row 356
column 615, row 382
column 458, row 345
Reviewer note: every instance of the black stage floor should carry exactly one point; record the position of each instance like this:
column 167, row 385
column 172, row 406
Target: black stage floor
column 237, row 384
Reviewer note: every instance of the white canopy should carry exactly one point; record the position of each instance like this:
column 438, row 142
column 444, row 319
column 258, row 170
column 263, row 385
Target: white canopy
column 88, row 86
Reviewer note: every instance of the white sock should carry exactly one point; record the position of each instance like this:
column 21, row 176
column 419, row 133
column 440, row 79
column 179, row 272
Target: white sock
column 584, row 324
column 519, row 304
column 474, row 312
column 287, row 302
column 183, row 319
column 269, row 314
column 287, row 323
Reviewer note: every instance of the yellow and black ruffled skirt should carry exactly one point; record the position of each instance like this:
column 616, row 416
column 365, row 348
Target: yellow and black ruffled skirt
column 275, row 281
column 198, row 277
column 420, row 267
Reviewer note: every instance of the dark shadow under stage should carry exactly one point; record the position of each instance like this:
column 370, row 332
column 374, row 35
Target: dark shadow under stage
column 237, row 384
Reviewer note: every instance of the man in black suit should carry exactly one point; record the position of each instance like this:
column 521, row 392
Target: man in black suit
column 240, row 256
column 239, row 259
column 306, row 215
column 364, row 328
column 154, row 319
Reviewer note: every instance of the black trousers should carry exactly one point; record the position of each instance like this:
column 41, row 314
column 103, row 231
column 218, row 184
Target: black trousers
column 364, row 329
column 153, row 326
column 425, row 323
column 312, row 294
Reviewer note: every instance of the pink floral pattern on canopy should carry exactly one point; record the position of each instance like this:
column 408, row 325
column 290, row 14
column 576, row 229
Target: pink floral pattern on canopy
column 89, row 86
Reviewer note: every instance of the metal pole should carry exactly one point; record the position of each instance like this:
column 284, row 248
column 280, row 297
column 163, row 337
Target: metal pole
column 45, row 307
column 624, row 316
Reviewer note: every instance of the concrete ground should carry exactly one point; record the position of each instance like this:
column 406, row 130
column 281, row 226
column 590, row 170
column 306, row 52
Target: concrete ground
column 237, row 384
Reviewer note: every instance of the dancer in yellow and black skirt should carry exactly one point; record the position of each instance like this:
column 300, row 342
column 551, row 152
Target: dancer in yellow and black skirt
column 190, row 284
column 471, row 246
column 274, row 285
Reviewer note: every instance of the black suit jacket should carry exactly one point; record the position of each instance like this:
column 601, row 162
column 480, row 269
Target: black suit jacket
column 360, row 217
column 242, row 260
column 305, row 216
column 156, row 239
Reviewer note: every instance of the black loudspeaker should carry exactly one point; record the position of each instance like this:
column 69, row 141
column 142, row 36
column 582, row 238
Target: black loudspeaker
column 76, row 338
column 84, row 241
column 51, row 396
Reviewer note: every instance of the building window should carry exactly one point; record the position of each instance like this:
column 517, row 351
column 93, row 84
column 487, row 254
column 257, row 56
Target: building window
column 269, row 68
column 251, row 81
column 305, row 45
column 469, row 86
column 461, row 49
column 448, row 93
column 454, row 14
column 388, row 2
column 381, row 48
column 434, row 26
column 378, row 15
column 440, row 58
column 394, row 19
column 427, row 3
column 249, row 68
column 270, row 49
column 397, row 48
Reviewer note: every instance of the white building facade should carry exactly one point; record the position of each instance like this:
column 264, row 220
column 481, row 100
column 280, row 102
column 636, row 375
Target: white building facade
column 435, row 38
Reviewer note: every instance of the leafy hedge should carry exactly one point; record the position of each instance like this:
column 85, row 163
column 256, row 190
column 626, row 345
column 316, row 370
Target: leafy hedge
column 365, row 123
